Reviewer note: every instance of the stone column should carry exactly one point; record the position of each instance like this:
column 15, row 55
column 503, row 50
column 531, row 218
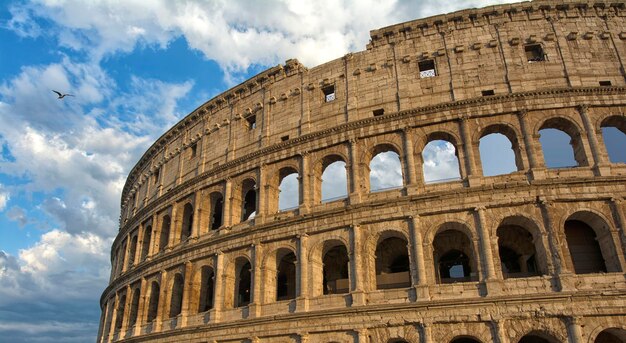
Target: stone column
column 410, row 179
column 197, row 215
column 485, row 244
column 600, row 162
column 354, row 183
column 142, row 309
column 303, row 273
column 356, row 262
column 536, row 172
column 418, row 270
column 218, row 294
column 124, row 262
column 187, row 294
column 262, row 189
column 560, row 268
column 155, row 238
column 362, row 335
column 574, row 331
column 256, row 296
column 161, row 311
column 174, row 227
column 228, row 203
column 113, row 318
column 499, row 332
column 303, row 338
column 426, row 333
column 620, row 235
column 126, row 318
column 305, row 181
column 470, row 161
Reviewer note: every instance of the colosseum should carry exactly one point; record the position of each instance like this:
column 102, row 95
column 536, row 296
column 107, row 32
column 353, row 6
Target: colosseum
column 210, row 250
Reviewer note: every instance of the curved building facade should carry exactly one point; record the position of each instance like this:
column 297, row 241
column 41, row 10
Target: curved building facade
column 208, row 252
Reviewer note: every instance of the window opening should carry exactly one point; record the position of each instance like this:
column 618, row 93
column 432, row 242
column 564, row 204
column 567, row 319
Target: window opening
column 194, row 150
column 534, row 53
column 243, row 286
column 216, row 214
column 329, row 93
column 176, row 301
column 335, row 270
column 427, row 68
column 156, row 175
column 286, row 278
column 206, row 290
column 488, row 92
column 251, row 120
column 605, row 83
column 284, row 138
column 379, row 112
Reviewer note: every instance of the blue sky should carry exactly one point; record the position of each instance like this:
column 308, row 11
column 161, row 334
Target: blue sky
column 135, row 68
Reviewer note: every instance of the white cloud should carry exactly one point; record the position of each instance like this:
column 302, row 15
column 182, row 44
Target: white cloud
column 440, row 161
column 4, row 198
column 385, row 171
column 235, row 34
column 335, row 181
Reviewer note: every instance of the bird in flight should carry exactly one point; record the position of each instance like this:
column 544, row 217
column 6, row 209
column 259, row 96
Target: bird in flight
column 61, row 95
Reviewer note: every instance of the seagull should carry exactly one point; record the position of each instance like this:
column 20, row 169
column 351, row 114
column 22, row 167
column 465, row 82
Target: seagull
column 61, row 96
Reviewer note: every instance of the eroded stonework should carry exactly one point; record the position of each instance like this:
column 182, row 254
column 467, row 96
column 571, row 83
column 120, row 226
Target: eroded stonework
column 536, row 255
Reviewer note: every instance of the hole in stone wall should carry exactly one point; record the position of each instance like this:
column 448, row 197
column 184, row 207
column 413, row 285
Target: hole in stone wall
column 329, row 93
column 251, row 120
column 488, row 92
column 427, row 68
column 605, row 83
column 534, row 53
column 379, row 112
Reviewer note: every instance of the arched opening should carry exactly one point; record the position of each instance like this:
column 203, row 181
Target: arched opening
column 561, row 144
column 385, row 169
column 392, row 264
column 584, row 248
column 335, row 270
column 134, row 307
column 122, row 256
column 248, row 207
column 147, row 240
column 499, row 151
column 517, row 252
column 165, row 233
column 611, row 335
column 176, row 300
column 153, row 305
column 217, row 209
column 453, row 257
column 185, row 231
column 286, row 277
column 334, row 179
column 614, row 137
column 243, row 282
column 289, row 189
column 132, row 252
column 440, row 160
column 121, row 306
column 207, row 280
column 465, row 340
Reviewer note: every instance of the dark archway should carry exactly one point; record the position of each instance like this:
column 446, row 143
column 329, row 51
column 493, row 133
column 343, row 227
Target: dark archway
column 165, row 233
column 286, row 277
column 243, row 284
column 584, row 248
column 392, row 264
column 335, row 273
column 217, row 209
column 187, row 226
column 176, row 300
column 153, row 305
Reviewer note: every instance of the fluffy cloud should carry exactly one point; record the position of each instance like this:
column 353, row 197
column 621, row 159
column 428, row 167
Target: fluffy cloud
column 4, row 198
column 440, row 161
column 235, row 34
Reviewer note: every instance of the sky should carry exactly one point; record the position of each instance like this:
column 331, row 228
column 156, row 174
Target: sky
column 134, row 68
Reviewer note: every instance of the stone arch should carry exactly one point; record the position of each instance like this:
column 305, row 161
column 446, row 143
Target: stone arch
column 454, row 253
column 176, row 295
column 511, row 134
column 132, row 251
column 591, row 247
column 538, row 336
column 242, row 290
column 611, row 335
column 121, row 307
column 205, row 281
column 573, row 130
column 146, row 242
column 248, row 199
column 391, row 259
column 216, row 210
column 286, row 174
column 523, row 236
column 373, row 170
column 454, row 164
column 324, row 278
column 614, row 150
column 465, row 339
column 153, row 302
column 187, row 222
column 321, row 168
column 164, row 232
column 279, row 266
column 134, row 306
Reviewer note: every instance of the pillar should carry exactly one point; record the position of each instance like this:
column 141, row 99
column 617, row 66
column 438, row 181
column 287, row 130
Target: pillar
column 126, row 318
column 485, row 244
column 256, row 297
column 305, row 181
column 188, row 289
column 499, row 332
column 142, row 309
column 228, row 203
column 354, row 184
column 600, row 162
column 302, row 288
column 197, row 215
column 620, row 235
column 155, row 237
column 358, row 270
column 218, row 294
column 561, row 270
column 161, row 311
column 418, row 272
column 574, row 331
column 426, row 333
column 174, row 227
column 470, row 161
column 410, row 177
column 362, row 335
column 536, row 172
column 262, row 201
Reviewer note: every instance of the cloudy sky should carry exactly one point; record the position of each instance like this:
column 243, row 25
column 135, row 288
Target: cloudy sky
column 135, row 68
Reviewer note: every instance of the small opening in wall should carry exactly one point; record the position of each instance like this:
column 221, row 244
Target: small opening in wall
column 379, row 112
column 329, row 93
column 605, row 83
column 427, row 68
column 284, row 138
column 251, row 120
column 488, row 92
column 194, row 150
column 155, row 176
column 534, row 53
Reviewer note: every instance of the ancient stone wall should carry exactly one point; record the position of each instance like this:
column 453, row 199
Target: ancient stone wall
column 536, row 255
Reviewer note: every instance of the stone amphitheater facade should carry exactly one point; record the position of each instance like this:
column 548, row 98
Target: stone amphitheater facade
column 538, row 252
